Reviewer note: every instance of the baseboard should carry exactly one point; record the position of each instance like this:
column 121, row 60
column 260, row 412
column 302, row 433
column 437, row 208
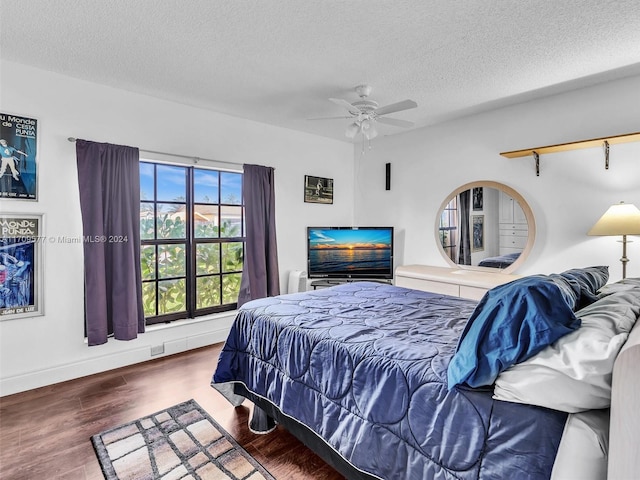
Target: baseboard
column 103, row 363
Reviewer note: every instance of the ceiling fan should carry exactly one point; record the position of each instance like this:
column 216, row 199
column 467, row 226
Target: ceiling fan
column 366, row 113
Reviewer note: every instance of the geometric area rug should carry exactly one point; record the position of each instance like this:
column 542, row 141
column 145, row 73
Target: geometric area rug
column 180, row 443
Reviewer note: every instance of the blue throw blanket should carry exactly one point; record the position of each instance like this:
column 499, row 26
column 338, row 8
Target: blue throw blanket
column 364, row 365
column 512, row 323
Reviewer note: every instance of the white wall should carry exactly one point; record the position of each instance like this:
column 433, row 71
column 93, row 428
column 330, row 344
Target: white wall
column 47, row 349
column 571, row 193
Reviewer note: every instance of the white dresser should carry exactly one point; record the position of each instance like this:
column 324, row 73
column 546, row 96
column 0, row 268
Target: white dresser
column 456, row 282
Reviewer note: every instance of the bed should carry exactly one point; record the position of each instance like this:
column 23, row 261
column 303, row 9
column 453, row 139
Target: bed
column 500, row 261
column 374, row 378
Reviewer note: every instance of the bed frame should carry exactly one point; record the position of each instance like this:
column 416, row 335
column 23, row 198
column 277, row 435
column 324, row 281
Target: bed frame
column 624, row 429
column 262, row 422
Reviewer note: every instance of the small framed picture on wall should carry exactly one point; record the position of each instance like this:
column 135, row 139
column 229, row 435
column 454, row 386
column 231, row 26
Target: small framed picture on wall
column 478, row 233
column 21, row 265
column 18, row 147
column 318, row 189
column 478, row 199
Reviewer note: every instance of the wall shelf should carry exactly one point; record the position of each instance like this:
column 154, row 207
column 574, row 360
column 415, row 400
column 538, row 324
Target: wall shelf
column 563, row 147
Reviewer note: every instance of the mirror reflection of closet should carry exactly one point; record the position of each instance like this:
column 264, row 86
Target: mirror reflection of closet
column 485, row 225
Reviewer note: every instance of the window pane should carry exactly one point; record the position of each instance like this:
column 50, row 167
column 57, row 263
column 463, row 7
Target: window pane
column 453, row 218
column 207, row 258
column 171, row 220
column 171, row 261
column 205, row 186
column 232, row 257
column 197, row 226
column 171, row 183
column 444, row 238
column 231, row 185
column 230, row 288
column 148, row 262
column 444, row 219
column 147, row 222
column 208, row 291
column 149, row 298
column 230, row 221
column 206, row 221
column 171, row 296
column 146, row 181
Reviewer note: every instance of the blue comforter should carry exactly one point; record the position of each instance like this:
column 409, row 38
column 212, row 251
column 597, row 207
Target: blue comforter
column 364, row 365
column 501, row 261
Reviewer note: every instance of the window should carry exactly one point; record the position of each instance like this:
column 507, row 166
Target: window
column 448, row 229
column 192, row 240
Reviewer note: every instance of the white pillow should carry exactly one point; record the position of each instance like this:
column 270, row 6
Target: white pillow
column 584, row 449
column 574, row 373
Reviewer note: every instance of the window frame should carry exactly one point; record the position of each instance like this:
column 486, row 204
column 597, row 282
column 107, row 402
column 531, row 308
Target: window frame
column 191, row 242
column 446, row 233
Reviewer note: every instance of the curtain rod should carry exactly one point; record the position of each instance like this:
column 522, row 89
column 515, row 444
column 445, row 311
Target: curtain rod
column 195, row 159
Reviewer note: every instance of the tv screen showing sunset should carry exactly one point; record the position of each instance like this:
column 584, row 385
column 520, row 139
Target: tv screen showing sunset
column 362, row 252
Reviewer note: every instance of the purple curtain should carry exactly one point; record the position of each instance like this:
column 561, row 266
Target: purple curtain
column 260, row 277
column 109, row 180
column 464, row 257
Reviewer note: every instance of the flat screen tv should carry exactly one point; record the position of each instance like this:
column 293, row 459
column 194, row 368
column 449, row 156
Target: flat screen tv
column 350, row 252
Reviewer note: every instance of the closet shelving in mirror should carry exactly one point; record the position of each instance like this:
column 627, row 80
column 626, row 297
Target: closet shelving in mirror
column 563, row 147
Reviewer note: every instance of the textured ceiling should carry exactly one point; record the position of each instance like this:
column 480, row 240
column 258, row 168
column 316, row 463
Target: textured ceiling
column 279, row 61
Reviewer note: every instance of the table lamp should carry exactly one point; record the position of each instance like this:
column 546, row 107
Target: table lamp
column 620, row 219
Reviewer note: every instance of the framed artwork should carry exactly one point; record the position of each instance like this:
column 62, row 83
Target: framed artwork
column 21, row 265
column 18, row 147
column 478, row 199
column 478, row 233
column 318, row 189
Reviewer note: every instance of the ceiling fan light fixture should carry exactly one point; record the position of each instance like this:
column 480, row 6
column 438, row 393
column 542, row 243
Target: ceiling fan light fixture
column 352, row 130
column 365, row 113
column 369, row 129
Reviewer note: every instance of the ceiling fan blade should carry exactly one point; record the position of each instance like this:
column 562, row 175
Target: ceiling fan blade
column 395, row 122
column 329, row 118
column 396, row 107
column 353, row 110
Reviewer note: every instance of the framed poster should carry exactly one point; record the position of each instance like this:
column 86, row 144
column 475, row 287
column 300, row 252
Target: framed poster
column 478, row 233
column 20, row 266
column 478, row 198
column 318, row 189
column 18, row 147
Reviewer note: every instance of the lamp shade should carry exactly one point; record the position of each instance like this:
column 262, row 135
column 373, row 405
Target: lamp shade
column 620, row 219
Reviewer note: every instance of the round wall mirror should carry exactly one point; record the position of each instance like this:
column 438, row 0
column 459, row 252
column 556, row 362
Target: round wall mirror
column 485, row 225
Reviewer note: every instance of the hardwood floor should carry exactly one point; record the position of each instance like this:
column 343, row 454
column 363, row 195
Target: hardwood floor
column 45, row 433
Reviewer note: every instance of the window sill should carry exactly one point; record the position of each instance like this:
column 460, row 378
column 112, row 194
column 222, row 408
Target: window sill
column 190, row 321
column 231, row 314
